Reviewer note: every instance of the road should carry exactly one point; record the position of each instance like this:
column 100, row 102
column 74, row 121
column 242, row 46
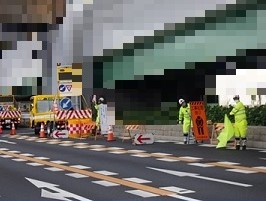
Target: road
column 84, row 169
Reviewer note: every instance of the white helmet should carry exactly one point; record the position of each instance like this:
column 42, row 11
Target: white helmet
column 181, row 101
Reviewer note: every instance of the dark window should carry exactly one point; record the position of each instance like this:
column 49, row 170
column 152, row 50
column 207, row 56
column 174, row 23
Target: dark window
column 65, row 76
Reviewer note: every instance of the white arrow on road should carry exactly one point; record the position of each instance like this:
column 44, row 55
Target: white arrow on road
column 57, row 193
column 187, row 174
column 5, row 141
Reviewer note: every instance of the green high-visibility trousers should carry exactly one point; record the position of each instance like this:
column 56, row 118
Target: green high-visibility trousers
column 241, row 129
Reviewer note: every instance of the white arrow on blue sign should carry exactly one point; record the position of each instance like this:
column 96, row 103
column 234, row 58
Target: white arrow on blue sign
column 66, row 104
column 62, row 88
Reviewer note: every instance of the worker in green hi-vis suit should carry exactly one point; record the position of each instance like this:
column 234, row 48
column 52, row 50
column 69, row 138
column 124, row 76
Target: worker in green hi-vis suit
column 185, row 118
column 241, row 123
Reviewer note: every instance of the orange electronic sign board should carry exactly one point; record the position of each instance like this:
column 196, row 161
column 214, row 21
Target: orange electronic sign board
column 198, row 116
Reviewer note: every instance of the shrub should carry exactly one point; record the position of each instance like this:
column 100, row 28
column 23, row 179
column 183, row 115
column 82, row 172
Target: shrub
column 256, row 116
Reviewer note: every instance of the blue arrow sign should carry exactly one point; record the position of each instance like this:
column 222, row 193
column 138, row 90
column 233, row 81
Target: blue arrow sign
column 62, row 88
column 66, row 104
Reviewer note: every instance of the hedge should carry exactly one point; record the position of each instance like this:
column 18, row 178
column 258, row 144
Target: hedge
column 256, row 116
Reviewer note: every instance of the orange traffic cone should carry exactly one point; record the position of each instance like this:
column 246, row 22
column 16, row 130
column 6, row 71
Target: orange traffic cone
column 1, row 130
column 42, row 133
column 110, row 136
column 13, row 130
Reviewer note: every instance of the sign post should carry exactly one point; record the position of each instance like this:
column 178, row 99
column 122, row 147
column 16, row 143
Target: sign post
column 103, row 118
column 198, row 116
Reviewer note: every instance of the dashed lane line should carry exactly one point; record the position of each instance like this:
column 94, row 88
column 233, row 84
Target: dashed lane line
column 161, row 156
column 122, row 182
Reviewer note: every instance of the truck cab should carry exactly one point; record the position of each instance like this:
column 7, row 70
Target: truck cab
column 44, row 108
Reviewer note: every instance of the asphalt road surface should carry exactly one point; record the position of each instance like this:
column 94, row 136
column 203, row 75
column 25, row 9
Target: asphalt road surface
column 33, row 168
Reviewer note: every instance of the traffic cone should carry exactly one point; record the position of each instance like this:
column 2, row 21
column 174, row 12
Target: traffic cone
column 42, row 133
column 1, row 130
column 110, row 136
column 13, row 130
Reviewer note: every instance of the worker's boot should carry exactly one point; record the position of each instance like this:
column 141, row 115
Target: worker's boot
column 237, row 143
column 244, row 143
column 185, row 138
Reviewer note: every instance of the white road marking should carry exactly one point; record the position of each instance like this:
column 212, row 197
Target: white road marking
column 19, row 159
column 76, row 175
column 207, row 145
column 194, row 175
column 8, row 142
column 54, row 169
column 66, row 145
column 106, row 172
column 49, row 142
column 117, row 152
column 42, row 158
column 96, row 146
column 81, row 143
column 241, row 171
column 190, row 158
column 105, row 183
column 261, row 167
column 181, row 197
column 81, row 146
column 67, row 142
column 161, row 154
column 161, row 141
column 137, row 180
column 59, row 162
column 26, row 154
column 135, row 151
column 228, row 163
column 201, row 165
column 141, row 193
column 115, row 148
column 4, row 149
column 263, row 158
column 22, row 137
column 6, row 156
column 82, row 167
column 264, row 151
column 15, row 152
column 177, row 190
column 35, row 164
column 99, row 149
column 141, row 155
column 42, row 140
column 167, row 159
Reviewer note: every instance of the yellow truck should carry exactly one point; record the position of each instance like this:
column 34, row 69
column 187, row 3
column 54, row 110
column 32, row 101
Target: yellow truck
column 9, row 113
column 56, row 111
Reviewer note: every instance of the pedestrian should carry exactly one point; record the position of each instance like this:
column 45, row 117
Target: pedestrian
column 97, row 107
column 185, row 119
column 240, row 127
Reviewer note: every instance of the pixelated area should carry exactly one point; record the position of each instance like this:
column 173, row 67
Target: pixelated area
column 143, row 55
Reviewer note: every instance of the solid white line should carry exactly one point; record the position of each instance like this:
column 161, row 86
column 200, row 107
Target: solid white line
column 221, row 181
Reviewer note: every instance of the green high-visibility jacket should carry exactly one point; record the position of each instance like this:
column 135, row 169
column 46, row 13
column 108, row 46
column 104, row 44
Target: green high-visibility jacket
column 239, row 112
column 184, row 114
